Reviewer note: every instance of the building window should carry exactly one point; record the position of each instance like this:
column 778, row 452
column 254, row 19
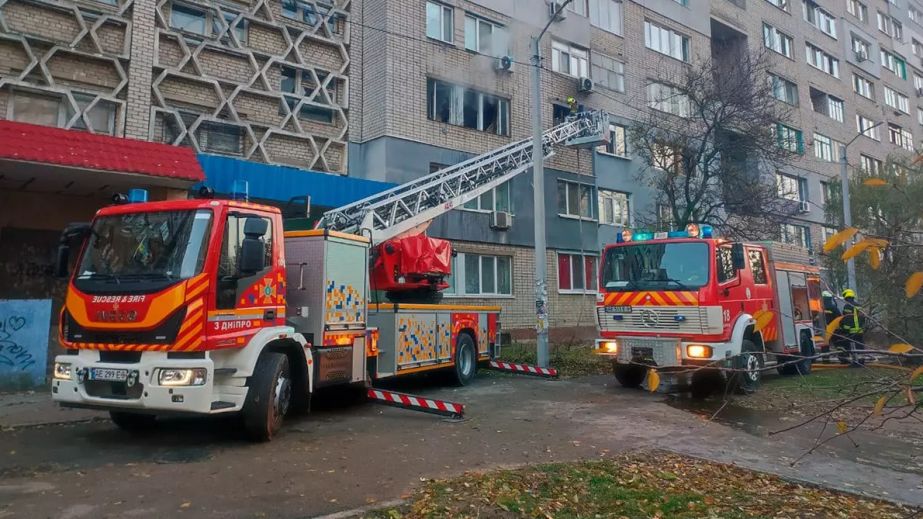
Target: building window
column 819, row 18
column 577, row 273
column 215, row 137
column 40, row 109
column 189, row 19
column 666, row 41
column 781, row 4
column 857, row 9
column 894, row 63
column 920, row 115
column 300, row 84
column 897, row 100
column 608, row 72
column 861, row 48
column 867, row 127
column 789, row 138
column 791, row 187
column 481, row 275
column 575, row 199
column 820, row 60
column 495, row 199
column 569, row 60
column 578, row 6
column 461, row 106
column 826, row 104
column 916, row 47
column 312, row 14
column 607, row 15
column 667, row 158
column 613, row 208
column 826, row 149
column 439, row 24
column 914, row 15
column 667, row 98
column 618, row 141
column 757, row 266
column 777, row 41
column 870, row 165
column 485, row 37
column 863, row 87
column 900, row 137
column 101, row 117
column 559, row 113
column 796, row 235
column 783, row 89
column 826, row 193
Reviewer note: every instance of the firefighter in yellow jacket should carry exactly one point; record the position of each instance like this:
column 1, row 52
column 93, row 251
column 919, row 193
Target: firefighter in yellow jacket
column 852, row 327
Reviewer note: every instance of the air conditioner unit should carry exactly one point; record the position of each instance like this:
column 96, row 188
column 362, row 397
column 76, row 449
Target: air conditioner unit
column 501, row 220
column 556, row 11
column 584, row 84
column 804, row 207
column 504, row 64
column 861, row 56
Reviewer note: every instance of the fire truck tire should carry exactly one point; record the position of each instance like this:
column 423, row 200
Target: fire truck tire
column 268, row 398
column 750, row 362
column 134, row 422
column 465, row 360
column 629, row 375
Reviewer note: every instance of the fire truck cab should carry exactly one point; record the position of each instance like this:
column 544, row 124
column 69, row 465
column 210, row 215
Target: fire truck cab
column 676, row 301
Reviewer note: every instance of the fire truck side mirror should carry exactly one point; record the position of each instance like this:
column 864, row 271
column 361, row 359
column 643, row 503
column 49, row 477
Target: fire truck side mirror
column 62, row 261
column 737, row 256
column 73, row 232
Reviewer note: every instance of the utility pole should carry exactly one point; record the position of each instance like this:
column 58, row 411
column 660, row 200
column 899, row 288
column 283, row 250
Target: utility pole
column 844, row 193
column 538, row 204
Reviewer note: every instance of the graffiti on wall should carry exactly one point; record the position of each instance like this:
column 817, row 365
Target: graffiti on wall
column 24, row 328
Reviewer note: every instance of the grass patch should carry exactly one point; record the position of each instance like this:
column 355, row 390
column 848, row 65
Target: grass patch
column 570, row 359
column 662, row 485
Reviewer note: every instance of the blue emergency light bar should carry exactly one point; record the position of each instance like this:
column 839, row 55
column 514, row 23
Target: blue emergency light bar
column 137, row 196
column 692, row 231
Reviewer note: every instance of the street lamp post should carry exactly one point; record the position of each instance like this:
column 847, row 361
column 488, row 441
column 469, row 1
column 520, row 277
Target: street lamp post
column 844, row 190
column 538, row 191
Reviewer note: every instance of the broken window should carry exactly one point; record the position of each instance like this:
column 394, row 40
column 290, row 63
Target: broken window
column 460, row 106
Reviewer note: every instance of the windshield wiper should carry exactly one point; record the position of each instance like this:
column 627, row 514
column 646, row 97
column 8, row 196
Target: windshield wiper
column 676, row 282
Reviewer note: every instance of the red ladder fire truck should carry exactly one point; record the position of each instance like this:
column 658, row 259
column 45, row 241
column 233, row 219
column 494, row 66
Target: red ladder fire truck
column 677, row 301
column 205, row 306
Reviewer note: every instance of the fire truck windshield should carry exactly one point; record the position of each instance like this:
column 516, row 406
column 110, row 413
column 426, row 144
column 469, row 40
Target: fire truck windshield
column 655, row 266
column 144, row 247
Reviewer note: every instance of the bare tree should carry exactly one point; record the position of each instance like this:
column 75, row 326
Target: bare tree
column 711, row 144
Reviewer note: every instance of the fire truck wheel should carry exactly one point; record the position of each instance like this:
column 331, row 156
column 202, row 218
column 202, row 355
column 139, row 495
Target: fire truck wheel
column 134, row 422
column 629, row 375
column 268, row 398
column 750, row 361
column 465, row 360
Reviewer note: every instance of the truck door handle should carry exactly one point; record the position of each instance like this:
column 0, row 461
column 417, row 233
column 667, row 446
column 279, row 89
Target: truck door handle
column 269, row 315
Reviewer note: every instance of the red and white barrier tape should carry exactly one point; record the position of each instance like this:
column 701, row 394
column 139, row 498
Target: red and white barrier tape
column 416, row 403
column 525, row 369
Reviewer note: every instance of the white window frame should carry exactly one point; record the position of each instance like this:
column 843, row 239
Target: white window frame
column 781, row 87
column 791, row 187
column 458, row 280
column 781, row 4
column 476, row 205
column 858, row 9
column 440, row 34
column 609, row 199
column 890, row 61
column 864, row 125
column 579, row 186
column 499, row 38
column 870, row 165
column 821, row 60
column 582, row 256
column 804, row 231
column 826, row 149
column 666, row 41
column 778, row 41
column 456, row 107
column 667, row 99
column 618, row 138
column 607, row 15
column 578, row 7
column 576, row 58
column 819, row 17
column 863, row 86
column 604, row 76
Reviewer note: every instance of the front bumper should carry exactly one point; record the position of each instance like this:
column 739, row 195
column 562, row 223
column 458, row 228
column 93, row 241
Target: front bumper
column 142, row 392
column 660, row 352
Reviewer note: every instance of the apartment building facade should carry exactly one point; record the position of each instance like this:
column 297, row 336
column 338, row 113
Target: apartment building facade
column 432, row 94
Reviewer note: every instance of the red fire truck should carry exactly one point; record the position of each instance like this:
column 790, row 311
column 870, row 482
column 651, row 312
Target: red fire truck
column 677, row 301
column 205, row 306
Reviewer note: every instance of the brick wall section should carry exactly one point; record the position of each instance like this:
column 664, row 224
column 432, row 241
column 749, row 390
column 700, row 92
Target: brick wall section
column 12, row 57
column 56, row 25
column 138, row 111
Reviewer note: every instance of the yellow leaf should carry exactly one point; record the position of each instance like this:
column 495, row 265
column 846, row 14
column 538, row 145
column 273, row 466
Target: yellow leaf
column 875, row 182
column 839, row 238
column 879, row 405
column 653, row 380
column 842, row 427
column 916, row 373
column 856, row 249
column 831, row 327
column 874, row 257
column 764, row 319
column 900, row 348
column 914, row 284
column 877, row 242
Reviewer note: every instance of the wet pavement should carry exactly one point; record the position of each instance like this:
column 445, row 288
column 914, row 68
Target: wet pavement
column 347, row 454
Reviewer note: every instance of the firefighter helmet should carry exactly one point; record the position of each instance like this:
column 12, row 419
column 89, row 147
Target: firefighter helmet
column 849, row 293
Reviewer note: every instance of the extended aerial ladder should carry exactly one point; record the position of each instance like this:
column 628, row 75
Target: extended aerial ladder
column 406, row 207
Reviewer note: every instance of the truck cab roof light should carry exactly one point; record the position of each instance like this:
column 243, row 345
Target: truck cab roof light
column 137, row 196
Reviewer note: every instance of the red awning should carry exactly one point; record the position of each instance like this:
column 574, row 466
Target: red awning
column 72, row 148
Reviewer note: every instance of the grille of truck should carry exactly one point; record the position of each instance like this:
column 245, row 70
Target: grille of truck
column 679, row 319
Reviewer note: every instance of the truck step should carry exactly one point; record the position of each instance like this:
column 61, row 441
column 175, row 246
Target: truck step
column 216, row 406
column 524, row 369
column 416, row 403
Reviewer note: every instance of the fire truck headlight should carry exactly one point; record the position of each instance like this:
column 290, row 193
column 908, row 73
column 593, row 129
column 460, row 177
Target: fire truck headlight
column 698, row 351
column 62, row 371
column 608, row 346
column 182, row 376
